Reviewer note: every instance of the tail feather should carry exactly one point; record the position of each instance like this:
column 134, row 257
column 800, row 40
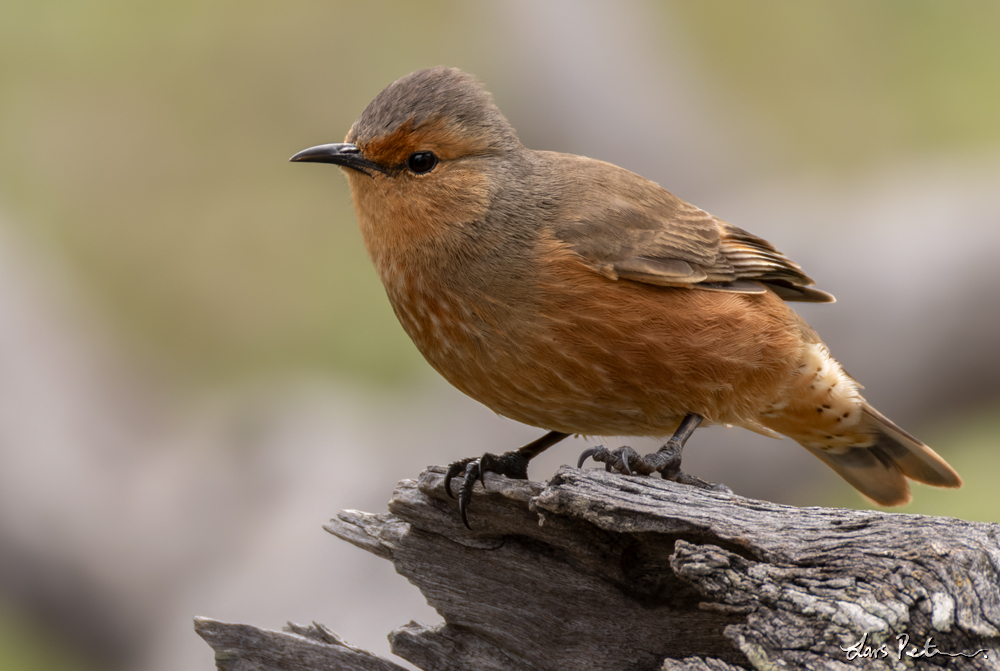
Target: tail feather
column 879, row 470
column 871, row 471
column 916, row 460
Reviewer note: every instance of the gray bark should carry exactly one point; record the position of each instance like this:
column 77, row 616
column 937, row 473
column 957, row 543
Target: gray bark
column 599, row 571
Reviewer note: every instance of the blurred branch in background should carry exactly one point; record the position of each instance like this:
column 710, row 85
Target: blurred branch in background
column 197, row 363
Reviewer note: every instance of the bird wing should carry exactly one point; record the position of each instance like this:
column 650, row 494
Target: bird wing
column 635, row 230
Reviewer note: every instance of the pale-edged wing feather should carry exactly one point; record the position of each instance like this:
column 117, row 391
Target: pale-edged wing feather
column 649, row 235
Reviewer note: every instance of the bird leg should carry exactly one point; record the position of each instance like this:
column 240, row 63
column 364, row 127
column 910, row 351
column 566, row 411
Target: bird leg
column 513, row 464
column 666, row 461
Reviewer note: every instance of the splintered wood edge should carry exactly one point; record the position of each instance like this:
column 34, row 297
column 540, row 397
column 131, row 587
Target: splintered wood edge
column 242, row 647
column 375, row 533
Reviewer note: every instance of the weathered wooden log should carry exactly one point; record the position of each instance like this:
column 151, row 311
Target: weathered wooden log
column 600, row 571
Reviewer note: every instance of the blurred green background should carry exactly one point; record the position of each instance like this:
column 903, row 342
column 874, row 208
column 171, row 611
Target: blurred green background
column 144, row 147
column 145, row 142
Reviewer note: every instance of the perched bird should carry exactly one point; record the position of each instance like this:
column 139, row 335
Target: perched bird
column 573, row 295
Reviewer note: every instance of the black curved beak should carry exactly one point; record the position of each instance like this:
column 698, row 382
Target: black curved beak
column 342, row 153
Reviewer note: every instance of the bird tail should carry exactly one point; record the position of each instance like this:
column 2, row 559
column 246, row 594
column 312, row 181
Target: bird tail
column 879, row 470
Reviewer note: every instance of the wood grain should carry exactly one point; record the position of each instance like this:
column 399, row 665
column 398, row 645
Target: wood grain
column 599, row 571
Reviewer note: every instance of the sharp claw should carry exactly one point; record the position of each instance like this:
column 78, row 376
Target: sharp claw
column 463, row 511
column 464, row 497
column 587, row 454
column 487, row 463
column 624, row 459
column 473, row 472
column 453, row 470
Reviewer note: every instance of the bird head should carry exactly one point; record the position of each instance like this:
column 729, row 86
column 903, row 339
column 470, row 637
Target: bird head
column 425, row 153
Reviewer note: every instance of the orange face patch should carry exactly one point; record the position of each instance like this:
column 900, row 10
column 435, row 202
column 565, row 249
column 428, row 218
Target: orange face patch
column 444, row 139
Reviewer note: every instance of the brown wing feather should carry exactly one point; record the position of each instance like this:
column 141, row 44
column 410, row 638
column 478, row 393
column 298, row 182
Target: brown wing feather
column 649, row 235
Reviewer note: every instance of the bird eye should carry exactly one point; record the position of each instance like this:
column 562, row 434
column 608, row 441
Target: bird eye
column 421, row 162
